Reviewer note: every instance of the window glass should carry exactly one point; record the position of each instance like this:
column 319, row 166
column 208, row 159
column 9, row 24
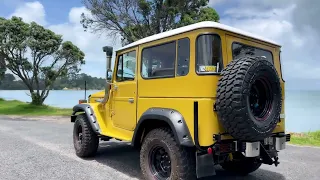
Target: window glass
column 241, row 50
column 159, row 61
column 183, row 57
column 209, row 54
column 126, row 66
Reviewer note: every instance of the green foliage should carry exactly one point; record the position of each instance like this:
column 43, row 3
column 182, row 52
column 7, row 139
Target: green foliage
column 136, row 19
column 37, row 56
column 309, row 138
column 205, row 14
column 36, row 99
column 21, row 108
column 2, row 70
column 78, row 82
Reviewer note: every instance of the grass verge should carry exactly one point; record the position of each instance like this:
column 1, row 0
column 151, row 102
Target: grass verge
column 308, row 139
column 21, row 108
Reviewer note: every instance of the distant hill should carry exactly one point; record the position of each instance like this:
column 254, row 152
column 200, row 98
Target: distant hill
column 9, row 82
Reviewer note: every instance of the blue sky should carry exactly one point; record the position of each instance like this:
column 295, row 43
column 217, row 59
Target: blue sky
column 289, row 22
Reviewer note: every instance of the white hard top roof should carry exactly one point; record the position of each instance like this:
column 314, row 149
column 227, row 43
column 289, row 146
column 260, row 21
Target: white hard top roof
column 203, row 24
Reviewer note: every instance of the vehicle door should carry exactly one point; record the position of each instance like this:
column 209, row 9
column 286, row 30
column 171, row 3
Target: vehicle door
column 124, row 91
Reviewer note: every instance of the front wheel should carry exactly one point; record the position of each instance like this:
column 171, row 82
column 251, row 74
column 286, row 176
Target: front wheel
column 85, row 140
column 162, row 158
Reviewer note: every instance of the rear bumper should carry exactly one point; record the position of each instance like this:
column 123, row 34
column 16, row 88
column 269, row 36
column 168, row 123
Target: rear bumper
column 274, row 143
column 265, row 151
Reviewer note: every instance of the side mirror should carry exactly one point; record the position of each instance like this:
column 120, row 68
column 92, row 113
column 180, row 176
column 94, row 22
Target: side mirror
column 108, row 50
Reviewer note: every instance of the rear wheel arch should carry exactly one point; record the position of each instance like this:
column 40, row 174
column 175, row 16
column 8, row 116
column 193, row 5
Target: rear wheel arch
column 162, row 117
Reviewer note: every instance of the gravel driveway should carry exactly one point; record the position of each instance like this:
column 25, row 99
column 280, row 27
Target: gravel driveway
column 43, row 149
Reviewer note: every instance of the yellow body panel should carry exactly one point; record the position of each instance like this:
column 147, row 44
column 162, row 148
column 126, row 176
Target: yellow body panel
column 119, row 117
column 95, row 97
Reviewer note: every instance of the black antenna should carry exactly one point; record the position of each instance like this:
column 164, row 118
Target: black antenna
column 85, row 90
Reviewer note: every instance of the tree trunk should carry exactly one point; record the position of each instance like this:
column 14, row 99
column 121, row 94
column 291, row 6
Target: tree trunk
column 36, row 99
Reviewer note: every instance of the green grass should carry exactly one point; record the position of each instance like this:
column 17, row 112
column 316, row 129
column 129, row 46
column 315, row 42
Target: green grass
column 309, row 138
column 21, row 108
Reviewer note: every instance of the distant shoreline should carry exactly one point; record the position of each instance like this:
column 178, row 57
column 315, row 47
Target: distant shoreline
column 76, row 89
column 53, row 90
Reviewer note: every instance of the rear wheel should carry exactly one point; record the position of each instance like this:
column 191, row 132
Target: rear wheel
column 85, row 141
column 241, row 165
column 162, row 158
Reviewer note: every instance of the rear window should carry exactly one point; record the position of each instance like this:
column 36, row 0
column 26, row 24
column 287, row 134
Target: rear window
column 208, row 54
column 240, row 50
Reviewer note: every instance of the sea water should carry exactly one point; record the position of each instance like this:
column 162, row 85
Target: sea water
column 302, row 108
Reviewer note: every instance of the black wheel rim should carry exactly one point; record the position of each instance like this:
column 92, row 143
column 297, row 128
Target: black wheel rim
column 261, row 99
column 79, row 136
column 160, row 163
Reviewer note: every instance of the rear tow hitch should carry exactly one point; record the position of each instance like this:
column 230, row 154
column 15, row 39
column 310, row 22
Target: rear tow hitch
column 266, row 158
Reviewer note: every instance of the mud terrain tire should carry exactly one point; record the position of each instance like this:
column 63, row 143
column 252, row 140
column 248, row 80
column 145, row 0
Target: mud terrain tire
column 249, row 98
column 182, row 159
column 85, row 140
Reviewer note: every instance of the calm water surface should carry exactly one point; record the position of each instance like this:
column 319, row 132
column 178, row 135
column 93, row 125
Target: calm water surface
column 302, row 108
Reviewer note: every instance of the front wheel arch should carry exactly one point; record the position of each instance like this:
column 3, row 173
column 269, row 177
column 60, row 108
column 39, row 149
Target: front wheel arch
column 88, row 111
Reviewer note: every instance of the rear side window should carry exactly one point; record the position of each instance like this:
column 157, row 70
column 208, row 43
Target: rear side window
column 208, row 54
column 241, row 50
column 159, row 61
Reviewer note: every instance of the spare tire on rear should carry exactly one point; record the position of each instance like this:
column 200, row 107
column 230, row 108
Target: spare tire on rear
column 249, row 98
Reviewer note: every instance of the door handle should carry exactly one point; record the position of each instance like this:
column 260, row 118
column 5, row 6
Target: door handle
column 131, row 100
column 115, row 87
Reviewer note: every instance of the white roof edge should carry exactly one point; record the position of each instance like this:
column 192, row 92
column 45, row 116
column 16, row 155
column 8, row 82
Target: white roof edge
column 203, row 24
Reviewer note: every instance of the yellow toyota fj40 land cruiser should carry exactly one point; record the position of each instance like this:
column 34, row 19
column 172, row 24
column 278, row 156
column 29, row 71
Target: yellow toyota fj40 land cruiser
column 190, row 98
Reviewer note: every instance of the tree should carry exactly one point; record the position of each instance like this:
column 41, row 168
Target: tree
column 136, row 19
column 2, row 68
column 2, row 65
column 37, row 55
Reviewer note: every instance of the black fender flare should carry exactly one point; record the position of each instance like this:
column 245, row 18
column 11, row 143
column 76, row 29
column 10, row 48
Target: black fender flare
column 86, row 108
column 172, row 117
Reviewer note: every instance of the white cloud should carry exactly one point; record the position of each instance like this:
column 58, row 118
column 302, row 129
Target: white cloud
column 31, row 11
column 278, row 21
column 91, row 44
column 289, row 22
column 88, row 42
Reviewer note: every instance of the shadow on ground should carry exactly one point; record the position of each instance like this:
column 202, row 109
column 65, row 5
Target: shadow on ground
column 124, row 158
